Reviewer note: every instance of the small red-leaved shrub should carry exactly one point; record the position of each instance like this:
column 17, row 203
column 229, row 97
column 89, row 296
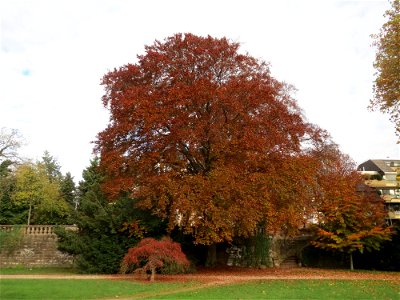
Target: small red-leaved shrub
column 151, row 254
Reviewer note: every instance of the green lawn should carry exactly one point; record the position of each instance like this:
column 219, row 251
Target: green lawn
column 297, row 289
column 272, row 289
column 81, row 289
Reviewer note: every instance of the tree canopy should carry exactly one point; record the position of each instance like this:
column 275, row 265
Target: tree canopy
column 387, row 65
column 152, row 254
column 350, row 216
column 206, row 138
column 10, row 141
column 52, row 167
column 35, row 193
column 68, row 189
column 34, row 189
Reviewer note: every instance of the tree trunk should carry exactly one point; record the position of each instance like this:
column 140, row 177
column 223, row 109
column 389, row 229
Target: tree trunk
column 153, row 274
column 29, row 213
column 351, row 261
column 211, row 260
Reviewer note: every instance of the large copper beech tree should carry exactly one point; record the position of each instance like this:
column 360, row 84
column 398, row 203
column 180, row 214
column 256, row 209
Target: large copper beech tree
column 207, row 139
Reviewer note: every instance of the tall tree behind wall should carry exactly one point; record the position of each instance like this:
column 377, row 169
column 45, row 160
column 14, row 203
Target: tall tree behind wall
column 387, row 65
column 10, row 142
column 52, row 167
column 42, row 197
column 68, row 190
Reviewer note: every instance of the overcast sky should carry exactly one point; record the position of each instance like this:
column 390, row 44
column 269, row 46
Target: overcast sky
column 54, row 53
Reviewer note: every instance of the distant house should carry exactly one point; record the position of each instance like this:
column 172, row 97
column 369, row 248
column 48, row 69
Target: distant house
column 384, row 176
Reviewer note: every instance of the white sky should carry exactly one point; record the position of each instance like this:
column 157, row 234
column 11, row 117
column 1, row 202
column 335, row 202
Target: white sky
column 54, row 53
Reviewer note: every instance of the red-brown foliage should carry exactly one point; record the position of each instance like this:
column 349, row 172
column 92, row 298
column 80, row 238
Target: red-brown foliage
column 351, row 216
column 151, row 254
column 208, row 140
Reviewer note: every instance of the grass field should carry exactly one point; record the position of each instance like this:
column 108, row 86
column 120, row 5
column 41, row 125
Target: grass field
column 296, row 289
column 271, row 289
column 82, row 289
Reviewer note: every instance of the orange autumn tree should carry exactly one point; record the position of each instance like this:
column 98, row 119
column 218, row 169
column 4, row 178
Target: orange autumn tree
column 351, row 216
column 151, row 254
column 207, row 139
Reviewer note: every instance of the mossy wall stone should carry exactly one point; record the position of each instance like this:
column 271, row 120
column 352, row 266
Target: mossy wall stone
column 36, row 248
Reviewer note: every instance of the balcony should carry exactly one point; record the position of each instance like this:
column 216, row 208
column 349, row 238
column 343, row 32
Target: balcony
column 391, row 198
column 382, row 183
column 394, row 215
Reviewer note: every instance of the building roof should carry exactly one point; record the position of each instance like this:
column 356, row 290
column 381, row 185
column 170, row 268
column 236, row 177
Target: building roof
column 380, row 165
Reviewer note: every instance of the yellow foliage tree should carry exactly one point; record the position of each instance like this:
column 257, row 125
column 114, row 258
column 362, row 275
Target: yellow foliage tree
column 33, row 188
column 387, row 65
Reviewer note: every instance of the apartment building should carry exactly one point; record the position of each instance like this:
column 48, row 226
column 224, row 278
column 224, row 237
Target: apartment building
column 384, row 176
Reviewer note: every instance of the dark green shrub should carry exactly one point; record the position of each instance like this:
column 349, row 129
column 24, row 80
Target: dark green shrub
column 105, row 230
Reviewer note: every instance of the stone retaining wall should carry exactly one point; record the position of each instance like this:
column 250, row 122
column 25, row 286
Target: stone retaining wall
column 277, row 251
column 283, row 248
column 33, row 246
